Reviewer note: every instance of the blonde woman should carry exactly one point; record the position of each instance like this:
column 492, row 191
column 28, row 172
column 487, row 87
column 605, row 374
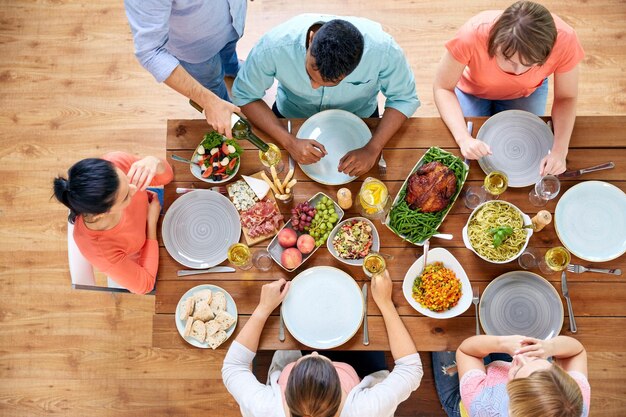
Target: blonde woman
column 313, row 385
column 529, row 385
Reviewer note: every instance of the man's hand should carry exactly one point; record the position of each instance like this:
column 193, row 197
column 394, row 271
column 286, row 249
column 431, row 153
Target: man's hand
column 357, row 162
column 473, row 148
column 552, row 164
column 306, row 151
column 217, row 113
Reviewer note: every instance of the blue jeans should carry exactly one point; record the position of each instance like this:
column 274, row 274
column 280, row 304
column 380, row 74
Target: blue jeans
column 473, row 106
column 447, row 386
column 211, row 72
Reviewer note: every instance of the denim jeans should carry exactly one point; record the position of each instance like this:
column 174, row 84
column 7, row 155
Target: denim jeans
column 211, row 72
column 448, row 388
column 473, row 106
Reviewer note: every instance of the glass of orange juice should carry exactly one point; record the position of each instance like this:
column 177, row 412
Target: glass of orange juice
column 373, row 200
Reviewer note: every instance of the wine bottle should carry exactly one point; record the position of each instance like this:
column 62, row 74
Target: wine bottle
column 241, row 129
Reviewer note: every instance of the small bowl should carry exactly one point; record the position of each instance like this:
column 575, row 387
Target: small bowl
column 197, row 172
column 355, row 262
column 276, row 250
column 526, row 220
column 450, row 262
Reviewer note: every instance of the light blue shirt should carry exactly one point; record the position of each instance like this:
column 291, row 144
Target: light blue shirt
column 280, row 54
column 166, row 31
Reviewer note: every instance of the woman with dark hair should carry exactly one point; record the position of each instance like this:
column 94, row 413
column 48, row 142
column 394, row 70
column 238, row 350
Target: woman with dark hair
column 527, row 384
column 313, row 385
column 501, row 60
column 114, row 216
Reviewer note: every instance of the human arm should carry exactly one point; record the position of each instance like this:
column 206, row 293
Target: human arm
column 563, row 118
column 447, row 76
column 472, row 350
column 359, row 161
column 149, row 171
column 568, row 352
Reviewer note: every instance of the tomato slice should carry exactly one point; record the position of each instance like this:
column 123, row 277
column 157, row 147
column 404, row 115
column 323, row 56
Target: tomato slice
column 232, row 164
column 208, row 172
column 225, row 148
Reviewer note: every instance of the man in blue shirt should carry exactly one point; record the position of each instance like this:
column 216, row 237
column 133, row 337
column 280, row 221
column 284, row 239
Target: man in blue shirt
column 323, row 62
column 190, row 45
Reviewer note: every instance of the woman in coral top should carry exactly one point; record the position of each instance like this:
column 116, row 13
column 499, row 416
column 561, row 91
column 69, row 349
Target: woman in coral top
column 314, row 385
column 115, row 217
column 500, row 60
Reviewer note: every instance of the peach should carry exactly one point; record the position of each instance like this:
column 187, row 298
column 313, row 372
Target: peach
column 306, row 244
column 291, row 258
column 287, row 238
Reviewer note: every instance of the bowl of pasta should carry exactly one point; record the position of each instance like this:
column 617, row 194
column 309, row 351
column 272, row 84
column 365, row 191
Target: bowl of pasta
column 440, row 289
column 497, row 231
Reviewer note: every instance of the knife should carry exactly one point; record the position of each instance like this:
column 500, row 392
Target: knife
column 366, row 336
column 185, row 272
column 570, row 310
column 577, row 172
column 470, row 130
column 292, row 163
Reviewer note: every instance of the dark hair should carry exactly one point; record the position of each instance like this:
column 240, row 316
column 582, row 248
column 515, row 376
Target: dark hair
column 525, row 28
column 337, row 48
column 313, row 388
column 90, row 187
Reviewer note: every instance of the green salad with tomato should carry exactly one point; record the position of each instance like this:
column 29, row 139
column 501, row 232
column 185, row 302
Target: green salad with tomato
column 217, row 157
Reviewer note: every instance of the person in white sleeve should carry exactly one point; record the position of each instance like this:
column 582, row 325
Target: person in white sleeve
column 313, row 385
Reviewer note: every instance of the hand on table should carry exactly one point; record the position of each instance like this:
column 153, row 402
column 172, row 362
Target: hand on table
column 306, row 151
column 473, row 148
column 218, row 113
column 357, row 162
column 535, row 347
column 143, row 171
column 272, row 295
column 552, row 164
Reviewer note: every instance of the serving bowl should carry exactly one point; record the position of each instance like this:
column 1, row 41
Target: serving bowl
column 450, row 262
column 525, row 219
column 197, row 172
column 355, row 262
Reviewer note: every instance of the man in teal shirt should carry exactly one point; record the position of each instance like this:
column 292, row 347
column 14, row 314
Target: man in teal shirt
column 323, row 62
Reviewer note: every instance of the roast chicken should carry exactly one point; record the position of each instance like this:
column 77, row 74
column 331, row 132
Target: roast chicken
column 431, row 187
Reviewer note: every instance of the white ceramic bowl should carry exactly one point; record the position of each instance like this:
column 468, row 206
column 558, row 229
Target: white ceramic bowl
column 356, row 262
column 197, row 172
column 450, row 262
column 525, row 219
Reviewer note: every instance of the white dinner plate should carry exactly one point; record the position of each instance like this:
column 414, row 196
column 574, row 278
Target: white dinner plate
column 340, row 132
column 450, row 262
column 323, row 308
column 590, row 220
column 231, row 308
column 521, row 302
column 519, row 140
column 199, row 227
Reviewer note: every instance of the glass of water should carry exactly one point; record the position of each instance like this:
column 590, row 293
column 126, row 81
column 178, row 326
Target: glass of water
column 545, row 189
column 262, row 260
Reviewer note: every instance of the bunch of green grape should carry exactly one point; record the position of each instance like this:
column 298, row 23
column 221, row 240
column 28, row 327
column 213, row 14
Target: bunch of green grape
column 325, row 219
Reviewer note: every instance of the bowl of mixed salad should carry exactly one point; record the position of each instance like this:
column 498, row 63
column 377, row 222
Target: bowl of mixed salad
column 352, row 239
column 216, row 159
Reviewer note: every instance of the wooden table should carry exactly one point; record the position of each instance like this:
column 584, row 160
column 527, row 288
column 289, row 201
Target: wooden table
column 599, row 300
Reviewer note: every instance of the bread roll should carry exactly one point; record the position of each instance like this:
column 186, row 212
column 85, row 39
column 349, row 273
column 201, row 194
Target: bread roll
column 198, row 331
column 203, row 312
column 218, row 302
column 217, row 339
column 188, row 325
column 224, row 319
column 186, row 308
column 212, row 327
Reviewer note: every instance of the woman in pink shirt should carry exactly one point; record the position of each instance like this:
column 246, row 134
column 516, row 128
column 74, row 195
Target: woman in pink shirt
column 115, row 217
column 500, row 61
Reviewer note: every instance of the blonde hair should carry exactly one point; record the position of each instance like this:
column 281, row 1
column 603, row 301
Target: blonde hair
column 545, row 393
column 525, row 28
column 313, row 388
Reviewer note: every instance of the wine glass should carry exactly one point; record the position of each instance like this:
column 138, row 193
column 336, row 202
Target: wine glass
column 545, row 189
column 272, row 157
column 240, row 256
column 496, row 182
column 555, row 260
column 374, row 264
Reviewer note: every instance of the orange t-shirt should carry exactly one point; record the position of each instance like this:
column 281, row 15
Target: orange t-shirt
column 482, row 77
column 347, row 376
column 123, row 252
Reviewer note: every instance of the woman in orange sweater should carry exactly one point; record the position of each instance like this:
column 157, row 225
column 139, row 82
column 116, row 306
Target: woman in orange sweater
column 115, row 217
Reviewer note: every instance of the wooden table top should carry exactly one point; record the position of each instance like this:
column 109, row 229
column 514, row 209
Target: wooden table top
column 599, row 300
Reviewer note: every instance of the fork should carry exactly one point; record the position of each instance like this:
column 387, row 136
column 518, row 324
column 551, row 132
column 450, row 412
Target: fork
column 218, row 189
column 382, row 165
column 579, row 269
column 475, row 300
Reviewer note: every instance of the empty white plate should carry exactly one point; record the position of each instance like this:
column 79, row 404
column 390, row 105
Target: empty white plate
column 323, row 308
column 340, row 132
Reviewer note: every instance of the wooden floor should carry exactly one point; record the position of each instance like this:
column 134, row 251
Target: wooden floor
column 70, row 88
